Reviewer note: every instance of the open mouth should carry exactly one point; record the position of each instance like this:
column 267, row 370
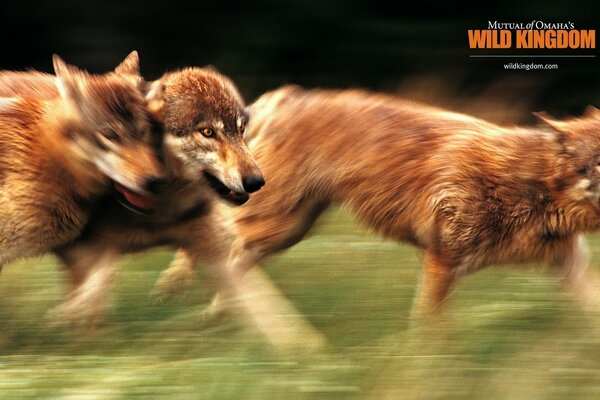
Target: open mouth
column 224, row 192
column 134, row 201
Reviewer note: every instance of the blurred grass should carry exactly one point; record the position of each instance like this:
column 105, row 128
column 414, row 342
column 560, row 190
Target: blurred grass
column 508, row 334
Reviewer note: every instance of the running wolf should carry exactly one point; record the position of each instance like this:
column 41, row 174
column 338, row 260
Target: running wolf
column 467, row 192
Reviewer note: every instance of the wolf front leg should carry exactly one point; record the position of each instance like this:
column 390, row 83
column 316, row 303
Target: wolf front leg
column 204, row 238
column 178, row 277
column 227, row 277
column 182, row 272
column 578, row 279
column 264, row 231
column 249, row 294
column 435, row 282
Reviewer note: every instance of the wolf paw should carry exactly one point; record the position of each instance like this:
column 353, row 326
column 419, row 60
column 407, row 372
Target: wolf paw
column 70, row 315
column 212, row 316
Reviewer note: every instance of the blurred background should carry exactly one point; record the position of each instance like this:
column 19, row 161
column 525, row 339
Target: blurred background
column 509, row 334
column 390, row 46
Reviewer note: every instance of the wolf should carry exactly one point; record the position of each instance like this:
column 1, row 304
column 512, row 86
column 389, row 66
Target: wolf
column 466, row 192
column 202, row 119
column 58, row 155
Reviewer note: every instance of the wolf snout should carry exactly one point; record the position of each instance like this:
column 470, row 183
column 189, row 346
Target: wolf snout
column 253, row 183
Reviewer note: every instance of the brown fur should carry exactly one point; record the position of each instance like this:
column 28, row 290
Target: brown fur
column 48, row 176
column 183, row 102
column 467, row 192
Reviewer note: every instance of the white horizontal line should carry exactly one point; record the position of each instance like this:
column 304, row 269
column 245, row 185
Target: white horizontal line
column 532, row 56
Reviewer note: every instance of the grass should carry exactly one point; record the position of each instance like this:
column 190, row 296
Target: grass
column 508, row 334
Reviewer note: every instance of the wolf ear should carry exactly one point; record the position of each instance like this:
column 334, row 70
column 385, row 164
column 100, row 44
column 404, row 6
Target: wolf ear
column 591, row 111
column 155, row 99
column 564, row 133
column 69, row 80
column 130, row 69
column 551, row 122
column 130, row 65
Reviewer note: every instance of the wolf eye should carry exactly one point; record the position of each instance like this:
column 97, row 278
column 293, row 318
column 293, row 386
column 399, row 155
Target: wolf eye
column 180, row 133
column 207, row 132
column 242, row 128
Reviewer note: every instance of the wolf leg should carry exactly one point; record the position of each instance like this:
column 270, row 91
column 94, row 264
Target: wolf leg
column 577, row 278
column 226, row 278
column 254, row 296
column 435, row 282
column 203, row 239
column 179, row 276
column 91, row 271
column 267, row 232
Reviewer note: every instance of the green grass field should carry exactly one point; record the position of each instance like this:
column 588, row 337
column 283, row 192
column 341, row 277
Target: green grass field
column 507, row 334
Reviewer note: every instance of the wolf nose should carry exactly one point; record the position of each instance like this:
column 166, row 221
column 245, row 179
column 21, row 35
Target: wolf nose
column 252, row 183
column 151, row 185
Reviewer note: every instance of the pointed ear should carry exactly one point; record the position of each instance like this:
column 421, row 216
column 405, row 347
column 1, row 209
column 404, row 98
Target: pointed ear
column 130, row 65
column 69, row 80
column 130, row 69
column 591, row 111
column 155, row 99
column 551, row 122
column 564, row 133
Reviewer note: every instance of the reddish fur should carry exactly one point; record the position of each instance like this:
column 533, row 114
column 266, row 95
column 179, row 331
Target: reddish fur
column 28, row 84
column 48, row 181
column 467, row 192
